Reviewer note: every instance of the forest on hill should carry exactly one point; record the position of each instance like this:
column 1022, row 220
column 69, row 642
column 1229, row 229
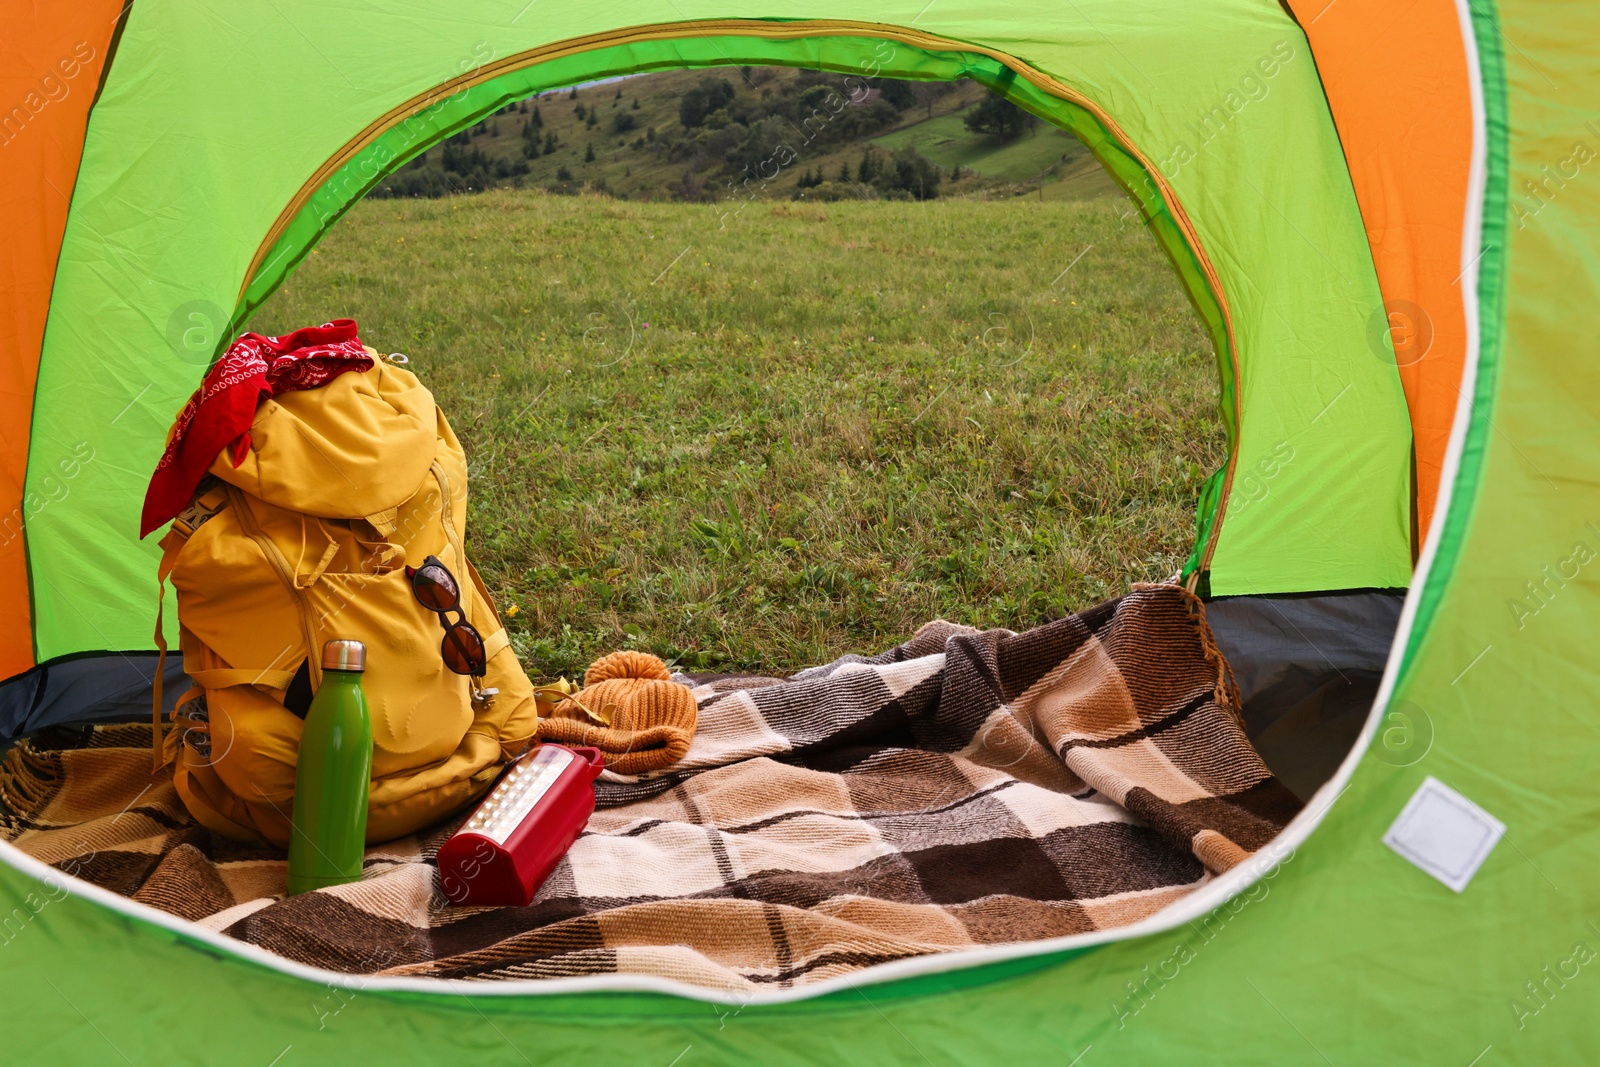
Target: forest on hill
column 759, row 131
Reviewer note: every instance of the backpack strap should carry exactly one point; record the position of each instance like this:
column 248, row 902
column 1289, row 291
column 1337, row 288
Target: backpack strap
column 492, row 642
column 384, row 522
column 382, row 553
column 223, row 677
column 208, row 500
column 171, row 544
column 448, row 520
column 498, row 639
column 454, row 537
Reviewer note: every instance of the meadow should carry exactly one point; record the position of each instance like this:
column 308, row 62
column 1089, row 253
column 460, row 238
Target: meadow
column 756, row 435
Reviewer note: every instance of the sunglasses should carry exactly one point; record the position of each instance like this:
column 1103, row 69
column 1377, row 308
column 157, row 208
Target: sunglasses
column 437, row 590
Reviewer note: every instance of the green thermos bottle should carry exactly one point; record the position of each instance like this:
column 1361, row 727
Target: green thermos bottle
column 331, row 776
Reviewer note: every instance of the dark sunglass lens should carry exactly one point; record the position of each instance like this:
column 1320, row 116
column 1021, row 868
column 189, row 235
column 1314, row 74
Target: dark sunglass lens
column 462, row 649
column 435, row 588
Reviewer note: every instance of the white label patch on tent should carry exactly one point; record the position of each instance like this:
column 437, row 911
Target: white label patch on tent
column 1444, row 833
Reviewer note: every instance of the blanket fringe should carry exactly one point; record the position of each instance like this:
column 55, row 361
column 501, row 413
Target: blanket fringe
column 28, row 779
column 1226, row 693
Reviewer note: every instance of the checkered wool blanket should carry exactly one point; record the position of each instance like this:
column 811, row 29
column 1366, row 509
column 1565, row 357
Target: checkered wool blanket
column 962, row 789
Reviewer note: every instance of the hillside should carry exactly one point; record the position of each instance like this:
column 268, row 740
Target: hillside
column 768, row 131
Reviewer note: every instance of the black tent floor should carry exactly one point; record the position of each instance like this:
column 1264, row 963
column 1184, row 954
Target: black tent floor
column 1308, row 669
column 101, row 687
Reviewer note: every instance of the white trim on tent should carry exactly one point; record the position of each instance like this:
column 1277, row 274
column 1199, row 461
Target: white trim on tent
column 1212, row 893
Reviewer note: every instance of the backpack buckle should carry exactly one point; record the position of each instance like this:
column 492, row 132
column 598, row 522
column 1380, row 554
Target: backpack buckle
column 195, row 515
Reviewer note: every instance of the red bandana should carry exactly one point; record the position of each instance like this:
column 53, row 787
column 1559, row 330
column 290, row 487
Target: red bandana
column 220, row 412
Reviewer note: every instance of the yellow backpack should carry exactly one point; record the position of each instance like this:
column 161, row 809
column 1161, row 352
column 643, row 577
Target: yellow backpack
column 308, row 540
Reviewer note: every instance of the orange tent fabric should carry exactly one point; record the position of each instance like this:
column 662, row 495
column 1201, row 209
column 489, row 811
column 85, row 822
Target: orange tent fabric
column 1396, row 80
column 50, row 63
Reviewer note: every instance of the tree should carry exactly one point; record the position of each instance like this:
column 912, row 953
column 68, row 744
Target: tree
column 636, row 103
column 911, row 172
column 622, row 122
column 588, row 154
column 999, row 118
column 563, row 174
column 710, row 95
column 692, row 109
column 538, row 119
column 844, row 171
column 899, row 94
column 579, row 112
column 549, row 143
column 929, row 93
column 906, row 174
column 463, row 160
column 869, row 166
column 762, row 152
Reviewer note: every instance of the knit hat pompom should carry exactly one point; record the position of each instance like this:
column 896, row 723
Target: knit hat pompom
column 627, row 664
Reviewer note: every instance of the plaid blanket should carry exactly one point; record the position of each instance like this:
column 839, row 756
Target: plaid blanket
column 962, row 789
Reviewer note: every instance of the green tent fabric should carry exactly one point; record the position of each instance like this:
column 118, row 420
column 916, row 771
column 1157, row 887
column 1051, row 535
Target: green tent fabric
column 189, row 162
column 213, row 160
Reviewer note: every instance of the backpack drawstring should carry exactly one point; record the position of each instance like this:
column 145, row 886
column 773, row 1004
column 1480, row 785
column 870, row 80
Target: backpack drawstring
column 306, row 581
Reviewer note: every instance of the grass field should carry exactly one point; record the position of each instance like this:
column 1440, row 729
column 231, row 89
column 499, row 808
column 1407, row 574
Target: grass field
column 759, row 438
column 1045, row 153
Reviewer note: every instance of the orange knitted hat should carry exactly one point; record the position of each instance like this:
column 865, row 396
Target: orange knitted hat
column 645, row 720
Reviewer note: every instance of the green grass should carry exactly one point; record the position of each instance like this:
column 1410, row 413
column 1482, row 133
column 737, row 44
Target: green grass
column 1044, row 151
column 758, row 440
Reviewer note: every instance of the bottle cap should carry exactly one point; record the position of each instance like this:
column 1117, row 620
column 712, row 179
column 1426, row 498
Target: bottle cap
column 344, row 655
